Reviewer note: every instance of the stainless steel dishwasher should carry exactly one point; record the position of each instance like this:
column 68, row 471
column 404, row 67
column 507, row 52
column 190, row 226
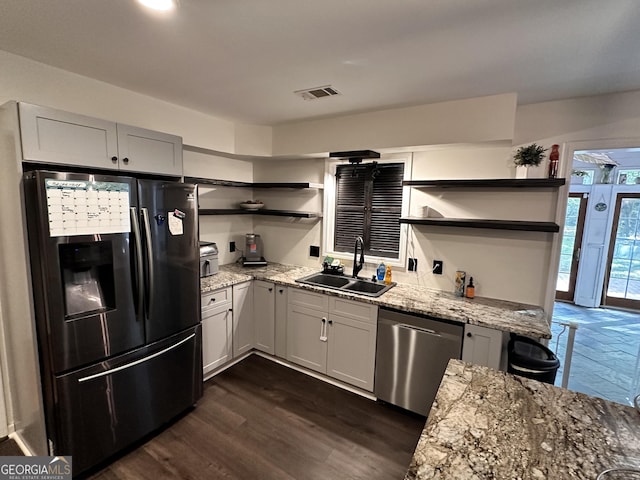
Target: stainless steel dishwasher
column 411, row 357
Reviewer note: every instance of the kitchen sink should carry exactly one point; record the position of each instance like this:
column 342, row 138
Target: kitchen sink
column 325, row 280
column 346, row 284
column 367, row 288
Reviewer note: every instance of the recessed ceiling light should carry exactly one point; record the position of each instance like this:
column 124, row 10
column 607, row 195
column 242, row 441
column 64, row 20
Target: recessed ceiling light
column 160, row 5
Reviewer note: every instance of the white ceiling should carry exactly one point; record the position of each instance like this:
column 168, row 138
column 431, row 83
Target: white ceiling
column 242, row 59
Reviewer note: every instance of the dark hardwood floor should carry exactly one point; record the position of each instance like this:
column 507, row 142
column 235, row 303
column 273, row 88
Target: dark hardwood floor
column 261, row 420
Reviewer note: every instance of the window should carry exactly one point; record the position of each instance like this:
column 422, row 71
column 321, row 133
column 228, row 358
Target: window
column 629, row 177
column 368, row 203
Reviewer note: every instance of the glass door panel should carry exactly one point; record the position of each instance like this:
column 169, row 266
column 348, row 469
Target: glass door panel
column 623, row 268
column 570, row 248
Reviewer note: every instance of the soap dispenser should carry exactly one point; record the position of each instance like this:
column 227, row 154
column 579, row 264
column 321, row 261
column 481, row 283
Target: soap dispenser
column 387, row 275
column 382, row 270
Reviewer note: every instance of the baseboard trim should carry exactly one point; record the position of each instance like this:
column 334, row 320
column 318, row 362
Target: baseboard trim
column 319, row 376
column 23, row 446
column 213, row 373
column 293, row 366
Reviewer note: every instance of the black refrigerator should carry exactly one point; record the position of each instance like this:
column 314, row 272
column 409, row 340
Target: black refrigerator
column 115, row 271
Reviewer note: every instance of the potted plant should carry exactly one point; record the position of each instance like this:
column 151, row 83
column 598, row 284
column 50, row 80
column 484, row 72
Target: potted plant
column 529, row 157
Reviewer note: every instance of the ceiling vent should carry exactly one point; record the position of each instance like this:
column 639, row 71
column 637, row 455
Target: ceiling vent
column 317, row 92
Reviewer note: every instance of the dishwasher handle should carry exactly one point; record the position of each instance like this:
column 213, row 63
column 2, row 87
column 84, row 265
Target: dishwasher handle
column 418, row 329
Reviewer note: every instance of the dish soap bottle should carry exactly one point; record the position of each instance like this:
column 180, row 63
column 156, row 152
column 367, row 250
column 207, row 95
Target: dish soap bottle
column 382, row 269
column 471, row 289
column 387, row 276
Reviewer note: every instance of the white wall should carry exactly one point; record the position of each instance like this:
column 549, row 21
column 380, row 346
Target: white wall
column 578, row 119
column 603, row 121
column 19, row 351
column 504, row 264
column 287, row 240
column 25, row 80
column 473, row 120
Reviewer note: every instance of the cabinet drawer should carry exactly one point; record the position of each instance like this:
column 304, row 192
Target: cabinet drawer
column 317, row 301
column 216, row 297
column 364, row 312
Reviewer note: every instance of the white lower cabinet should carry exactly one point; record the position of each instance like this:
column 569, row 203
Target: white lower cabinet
column 333, row 336
column 484, row 346
column 306, row 337
column 281, row 321
column 352, row 351
column 217, row 329
column 264, row 315
column 243, row 324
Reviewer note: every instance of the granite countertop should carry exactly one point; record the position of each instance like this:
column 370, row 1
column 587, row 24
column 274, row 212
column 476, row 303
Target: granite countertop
column 498, row 314
column 490, row 424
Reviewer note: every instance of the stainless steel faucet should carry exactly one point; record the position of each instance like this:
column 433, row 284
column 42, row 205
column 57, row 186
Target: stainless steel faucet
column 357, row 265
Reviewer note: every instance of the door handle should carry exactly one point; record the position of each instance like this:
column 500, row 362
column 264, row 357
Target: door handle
column 137, row 362
column 417, row 329
column 135, row 228
column 147, row 236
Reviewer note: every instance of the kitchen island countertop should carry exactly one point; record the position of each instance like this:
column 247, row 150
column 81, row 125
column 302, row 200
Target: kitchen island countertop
column 497, row 314
column 489, row 424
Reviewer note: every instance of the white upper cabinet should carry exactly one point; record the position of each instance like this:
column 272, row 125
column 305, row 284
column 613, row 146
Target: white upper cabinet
column 59, row 137
column 142, row 150
column 54, row 136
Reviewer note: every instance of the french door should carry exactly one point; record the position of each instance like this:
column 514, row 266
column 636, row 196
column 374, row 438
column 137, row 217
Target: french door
column 571, row 242
column 623, row 266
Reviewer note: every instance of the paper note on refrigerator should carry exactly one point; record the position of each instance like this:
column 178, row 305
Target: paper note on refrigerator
column 79, row 207
column 175, row 224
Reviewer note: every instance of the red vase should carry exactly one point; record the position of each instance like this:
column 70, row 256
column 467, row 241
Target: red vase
column 554, row 156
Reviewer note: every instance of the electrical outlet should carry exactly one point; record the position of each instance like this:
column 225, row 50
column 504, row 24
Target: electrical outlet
column 314, row 251
column 413, row 264
column 232, row 246
column 438, row 265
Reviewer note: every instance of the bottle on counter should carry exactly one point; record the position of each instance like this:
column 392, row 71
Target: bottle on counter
column 471, row 289
column 381, row 272
column 461, row 276
column 387, row 275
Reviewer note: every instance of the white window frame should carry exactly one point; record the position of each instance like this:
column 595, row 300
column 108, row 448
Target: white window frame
column 329, row 216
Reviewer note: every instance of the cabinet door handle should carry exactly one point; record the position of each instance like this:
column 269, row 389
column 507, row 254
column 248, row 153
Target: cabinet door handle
column 231, row 309
column 281, row 290
column 271, row 289
column 125, row 160
column 330, row 322
column 114, row 159
column 469, row 334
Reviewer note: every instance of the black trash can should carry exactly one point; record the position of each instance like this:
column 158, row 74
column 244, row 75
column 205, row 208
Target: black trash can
column 531, row 359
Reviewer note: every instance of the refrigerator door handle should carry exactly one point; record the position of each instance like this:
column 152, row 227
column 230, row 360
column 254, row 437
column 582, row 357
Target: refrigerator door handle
column 137, row 362
column 135, row 228
column 149, row 245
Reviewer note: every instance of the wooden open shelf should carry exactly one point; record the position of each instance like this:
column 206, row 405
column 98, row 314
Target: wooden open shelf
column 230, row 183
column 240, row 211
column 488, row 183
column 521, row 225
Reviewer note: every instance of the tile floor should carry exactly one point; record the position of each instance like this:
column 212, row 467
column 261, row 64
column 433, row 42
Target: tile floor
column 606, row 354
